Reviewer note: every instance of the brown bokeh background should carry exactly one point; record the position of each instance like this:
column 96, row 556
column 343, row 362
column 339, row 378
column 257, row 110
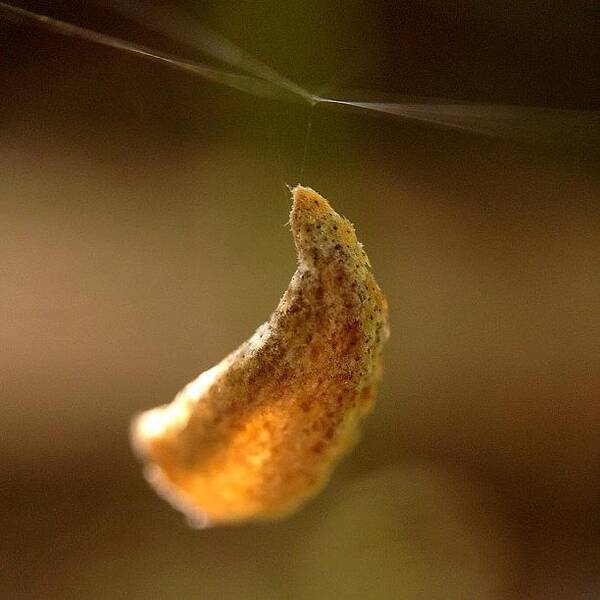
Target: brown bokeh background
column 142, row 238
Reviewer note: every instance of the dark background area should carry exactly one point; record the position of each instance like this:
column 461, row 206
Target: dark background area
column 142, row 238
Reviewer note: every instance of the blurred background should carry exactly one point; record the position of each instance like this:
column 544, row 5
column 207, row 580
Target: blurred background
column 142, row 238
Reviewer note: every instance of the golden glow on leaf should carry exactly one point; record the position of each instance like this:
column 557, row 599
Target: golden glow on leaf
column 258, row 434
